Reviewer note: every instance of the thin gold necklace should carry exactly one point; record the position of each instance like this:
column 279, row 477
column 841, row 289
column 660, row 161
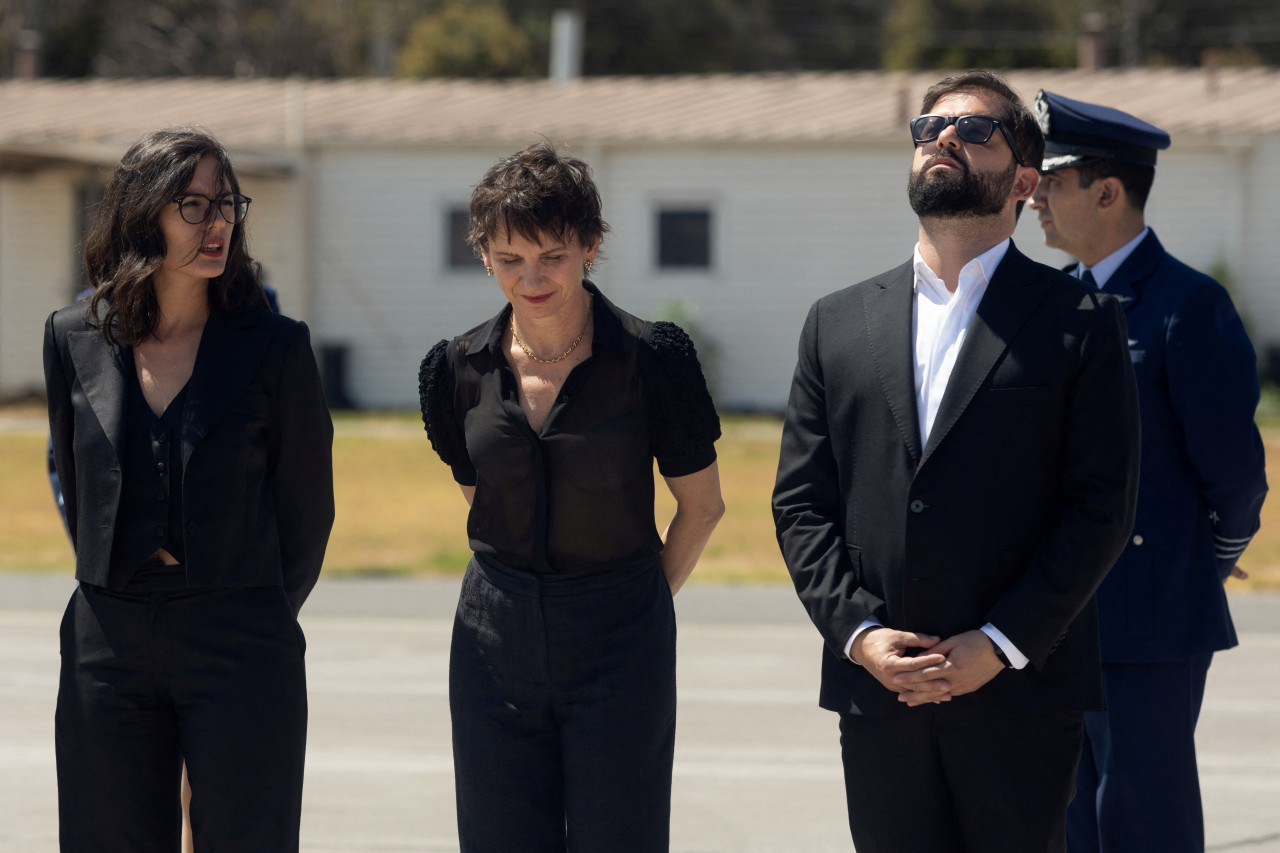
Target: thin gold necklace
column 564, row 354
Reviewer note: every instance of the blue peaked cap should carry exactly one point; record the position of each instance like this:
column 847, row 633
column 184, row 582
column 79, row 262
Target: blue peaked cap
column 1076, row 132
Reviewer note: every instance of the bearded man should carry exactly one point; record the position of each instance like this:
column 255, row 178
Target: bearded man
column 958, row 472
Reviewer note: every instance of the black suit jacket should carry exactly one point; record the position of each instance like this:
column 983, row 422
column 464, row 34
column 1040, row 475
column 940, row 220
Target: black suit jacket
column 256, row 447
column 1012, row 514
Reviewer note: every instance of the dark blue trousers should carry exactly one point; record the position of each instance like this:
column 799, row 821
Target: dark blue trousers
column 1138, row 787
column 563, row 698
column 212, row 676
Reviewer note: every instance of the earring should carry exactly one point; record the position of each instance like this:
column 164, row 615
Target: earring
column 488, row 270
column 588, row 265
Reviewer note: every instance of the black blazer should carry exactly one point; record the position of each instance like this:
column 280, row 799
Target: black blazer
column 256, row 439
column 1012, row 514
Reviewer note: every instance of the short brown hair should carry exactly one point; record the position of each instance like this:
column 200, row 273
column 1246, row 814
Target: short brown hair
column 534, row 192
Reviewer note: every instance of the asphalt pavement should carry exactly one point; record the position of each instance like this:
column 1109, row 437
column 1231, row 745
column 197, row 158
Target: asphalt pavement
column 757, row 766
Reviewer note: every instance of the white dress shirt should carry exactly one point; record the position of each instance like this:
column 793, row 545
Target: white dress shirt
column 939, row 326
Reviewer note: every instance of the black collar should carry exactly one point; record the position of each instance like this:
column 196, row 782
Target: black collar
column 605, row 316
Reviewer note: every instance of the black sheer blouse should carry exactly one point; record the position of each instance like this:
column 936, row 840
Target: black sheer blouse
column 577, row 497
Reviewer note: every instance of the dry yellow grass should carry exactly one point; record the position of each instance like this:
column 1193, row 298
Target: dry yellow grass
column 399, row 510
column 31, row 534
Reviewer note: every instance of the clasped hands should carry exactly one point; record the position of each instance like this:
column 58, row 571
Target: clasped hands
column 951, row 667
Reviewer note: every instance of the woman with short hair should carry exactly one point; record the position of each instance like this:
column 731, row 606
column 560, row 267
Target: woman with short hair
column 550, row 415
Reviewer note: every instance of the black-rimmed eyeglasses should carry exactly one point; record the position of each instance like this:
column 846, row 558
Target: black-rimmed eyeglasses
column 196, row 208
column 974, row 129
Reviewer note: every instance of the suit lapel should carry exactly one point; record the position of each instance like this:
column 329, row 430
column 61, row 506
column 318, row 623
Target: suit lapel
column 100, row 370
column 888, row 311
column 1011, row 297
column 231, row 348
column 1137, row 268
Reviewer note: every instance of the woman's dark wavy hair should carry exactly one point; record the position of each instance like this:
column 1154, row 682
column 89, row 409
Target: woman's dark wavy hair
column 534, row 192
column 125, row 247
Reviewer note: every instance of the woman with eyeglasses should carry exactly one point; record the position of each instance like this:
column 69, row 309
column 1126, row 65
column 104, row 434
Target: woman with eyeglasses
column 193, row 446
column 551, row 414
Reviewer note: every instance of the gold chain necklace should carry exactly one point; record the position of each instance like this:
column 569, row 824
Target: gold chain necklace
column 564, row 354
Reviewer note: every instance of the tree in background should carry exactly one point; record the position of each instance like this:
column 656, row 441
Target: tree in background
column 977, row 34
column 675, row 36
column 74, row 36
column 1177, row 32
column 486, row 38
column 467, row 39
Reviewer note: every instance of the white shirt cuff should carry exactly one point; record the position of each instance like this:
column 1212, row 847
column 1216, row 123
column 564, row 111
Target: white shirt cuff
column 869, row 622
column 1017, row 659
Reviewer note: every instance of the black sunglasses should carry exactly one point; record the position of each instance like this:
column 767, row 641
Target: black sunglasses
column 974, row 129
column 196, row 208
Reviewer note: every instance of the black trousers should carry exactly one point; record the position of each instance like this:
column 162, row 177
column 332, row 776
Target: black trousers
column 215, row 677
column 929, row 781
column 563, row 698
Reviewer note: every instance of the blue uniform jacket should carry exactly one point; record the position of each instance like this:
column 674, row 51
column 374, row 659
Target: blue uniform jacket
column 1203, row 479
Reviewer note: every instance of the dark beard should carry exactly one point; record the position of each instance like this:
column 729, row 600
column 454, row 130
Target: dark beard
column 960, row 194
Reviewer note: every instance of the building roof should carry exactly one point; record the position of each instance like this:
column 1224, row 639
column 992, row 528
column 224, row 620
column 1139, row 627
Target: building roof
column 93, row 120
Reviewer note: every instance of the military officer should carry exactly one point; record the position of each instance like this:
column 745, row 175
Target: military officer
column 1163, row 611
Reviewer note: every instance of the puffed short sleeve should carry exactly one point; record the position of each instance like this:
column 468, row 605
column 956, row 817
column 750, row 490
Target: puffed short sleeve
column 440, row 417
column 683, row 424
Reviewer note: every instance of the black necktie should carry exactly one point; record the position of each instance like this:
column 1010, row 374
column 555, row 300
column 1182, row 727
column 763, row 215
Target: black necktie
column 1088, row 278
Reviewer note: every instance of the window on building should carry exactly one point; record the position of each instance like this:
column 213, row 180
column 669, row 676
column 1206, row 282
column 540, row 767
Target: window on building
column 459, row 252
column 684, row 239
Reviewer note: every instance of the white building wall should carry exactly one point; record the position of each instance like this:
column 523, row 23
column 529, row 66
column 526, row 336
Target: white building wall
column 278, row 225
column 1194, row 208
column 790, row 224
column 37, row 271
column 382, row 285
column 1257, row 270
column 1210, row 205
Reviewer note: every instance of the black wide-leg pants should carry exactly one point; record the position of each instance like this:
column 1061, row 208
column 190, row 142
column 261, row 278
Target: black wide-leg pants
column 215, row 677
column 563, row 698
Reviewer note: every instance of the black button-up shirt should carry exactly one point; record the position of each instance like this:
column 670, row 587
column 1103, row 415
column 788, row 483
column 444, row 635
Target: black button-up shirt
column 150, row 512
column 578, row 495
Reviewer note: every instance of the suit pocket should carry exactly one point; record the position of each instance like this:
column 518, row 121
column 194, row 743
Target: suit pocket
column 855, row 564
column 855, row 561
column 1014, row 389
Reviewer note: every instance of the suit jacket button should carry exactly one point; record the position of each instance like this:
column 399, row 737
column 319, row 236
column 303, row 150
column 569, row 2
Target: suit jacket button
column 917, row 505
column 1137, row 540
